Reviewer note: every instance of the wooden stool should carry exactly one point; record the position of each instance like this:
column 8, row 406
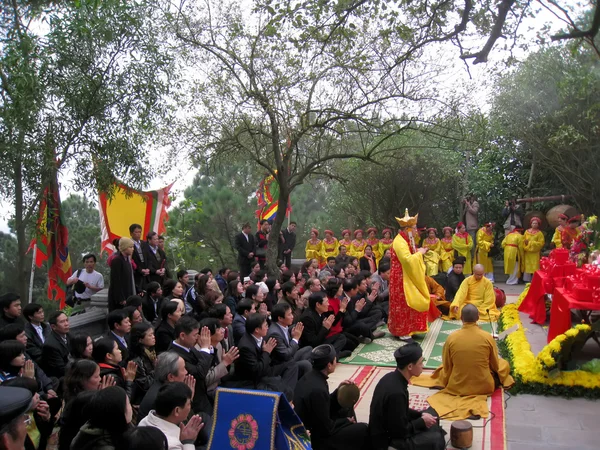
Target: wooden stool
column 461, row 434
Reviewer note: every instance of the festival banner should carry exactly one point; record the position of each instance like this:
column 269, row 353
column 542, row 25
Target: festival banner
column 267, row 196
column 51, row 244
column 128, row 206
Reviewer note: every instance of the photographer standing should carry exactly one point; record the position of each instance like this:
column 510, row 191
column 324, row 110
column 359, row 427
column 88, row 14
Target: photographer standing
column 470, row 208
column 513, row 215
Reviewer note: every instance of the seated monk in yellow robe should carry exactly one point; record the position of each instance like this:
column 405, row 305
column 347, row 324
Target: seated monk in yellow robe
column 479, row 291
column 471, row 370
column 438, row 295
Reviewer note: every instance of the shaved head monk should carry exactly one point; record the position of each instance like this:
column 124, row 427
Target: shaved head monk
column 471, row 370
column 478, row 291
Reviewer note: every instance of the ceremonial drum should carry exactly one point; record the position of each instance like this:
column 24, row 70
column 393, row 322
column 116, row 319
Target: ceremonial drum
column 461, row 434
column 552, row 215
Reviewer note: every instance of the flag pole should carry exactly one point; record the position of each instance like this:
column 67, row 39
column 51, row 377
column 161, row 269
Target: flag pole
column 32, row 273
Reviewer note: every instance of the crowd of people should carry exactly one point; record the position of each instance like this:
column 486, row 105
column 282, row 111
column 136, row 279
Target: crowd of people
column 151, row 381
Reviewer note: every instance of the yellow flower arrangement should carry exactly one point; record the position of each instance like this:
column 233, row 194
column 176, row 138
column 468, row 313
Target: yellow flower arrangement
column 529, row 369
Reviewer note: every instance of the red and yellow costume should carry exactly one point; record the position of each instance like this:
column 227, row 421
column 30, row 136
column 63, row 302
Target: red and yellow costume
column 313, row 247
column 568, row 234
column 409, row 295
column 533, row 247
column 485, row 242
column 330, row 246
column 463, row 243
column 446, row 251
column 385, row 243
column 357, row 247
column 432, row 257
column 374, row 243
column 557, row 236
column 345, row 241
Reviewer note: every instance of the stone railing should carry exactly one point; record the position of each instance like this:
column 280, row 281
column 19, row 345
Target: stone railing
column 93, row 320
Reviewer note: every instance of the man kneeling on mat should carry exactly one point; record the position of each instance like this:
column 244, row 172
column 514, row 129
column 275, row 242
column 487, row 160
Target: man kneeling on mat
column 392, row 424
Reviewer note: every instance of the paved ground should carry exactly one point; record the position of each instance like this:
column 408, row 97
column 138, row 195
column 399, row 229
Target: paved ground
column 555, row 423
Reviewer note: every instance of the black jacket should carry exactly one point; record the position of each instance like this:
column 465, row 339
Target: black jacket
column 197, row 364
column 121, row 286
column 244, row 248
column 253, row 364
column 452, row 284
column 364, row 263
column 164, row 334
column 7, row 320
column 314, row 333
column 148, row 308
column 139, row 258
column 261, row 243
column 290, row 240
column 34, row 343
column 144, row 378
column 154, row 262
column 55, row 355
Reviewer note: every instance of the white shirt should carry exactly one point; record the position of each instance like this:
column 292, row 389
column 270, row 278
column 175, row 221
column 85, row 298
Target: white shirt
column 170, row 430
column 40, row 331
column 287, row 334
column 258, row 341
column 95, row 279
column 247, row 238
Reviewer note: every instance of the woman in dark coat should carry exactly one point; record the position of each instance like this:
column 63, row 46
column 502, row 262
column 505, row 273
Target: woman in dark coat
column 141, row 343
column 122, row 284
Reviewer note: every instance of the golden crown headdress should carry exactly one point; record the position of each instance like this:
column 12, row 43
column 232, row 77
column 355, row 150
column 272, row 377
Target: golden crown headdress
column 407, row 221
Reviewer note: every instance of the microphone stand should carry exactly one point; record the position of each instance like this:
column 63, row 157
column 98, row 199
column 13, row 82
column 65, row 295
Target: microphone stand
column 494, row 335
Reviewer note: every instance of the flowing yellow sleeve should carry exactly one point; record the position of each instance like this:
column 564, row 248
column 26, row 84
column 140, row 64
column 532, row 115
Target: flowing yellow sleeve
column 413, row 271
column 482, row 244
column 460, row 297
column 460, row 245
column 504, row 241
column 536, row 242
column 556, row 239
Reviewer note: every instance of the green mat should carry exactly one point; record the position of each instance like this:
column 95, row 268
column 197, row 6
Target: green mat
column 380, row 352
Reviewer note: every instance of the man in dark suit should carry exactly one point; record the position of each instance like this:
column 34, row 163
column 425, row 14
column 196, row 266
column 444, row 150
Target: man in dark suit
column 254, row 367
column 55, row 353
column 320, row 411
column 246, row 248
column 287, row 247
column 152, row 302
column 197, row 362
column 288, row 339
column 141, row 272
column 262, row 239
column 156, row 259
column 244, row 308
column 36, row 330
column 119, row 327
column 316, row 328
column 392, row 423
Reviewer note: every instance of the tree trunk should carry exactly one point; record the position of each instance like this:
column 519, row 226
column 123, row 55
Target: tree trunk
column 20, row 227
column 273, row 243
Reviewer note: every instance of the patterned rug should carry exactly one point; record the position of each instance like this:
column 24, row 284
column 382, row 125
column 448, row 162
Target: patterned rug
column 380, row 352
column 488, row 434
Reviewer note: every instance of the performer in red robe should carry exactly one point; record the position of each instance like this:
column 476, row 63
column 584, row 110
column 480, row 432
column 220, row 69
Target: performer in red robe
column 410, row 302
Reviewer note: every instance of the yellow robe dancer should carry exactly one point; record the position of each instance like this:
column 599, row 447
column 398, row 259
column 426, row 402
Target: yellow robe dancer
column 345, row 241
column 432, row 257
column 479, row 291
column 446, row 250
column 512, row 245
column 329, row 246
column 385, row 243
column 438, row 294
column 557, row 236
column 462, row 243
column 374, row 243
column 485, row 242
column 533, row 242
column 313, row 246
column 357, row 247
column 470, row 358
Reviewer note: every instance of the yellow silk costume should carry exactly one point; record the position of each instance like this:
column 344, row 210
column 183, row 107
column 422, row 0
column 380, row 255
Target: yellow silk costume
column 432, row 257
column 557, row 237
column 513, row 251
column 413, row 276
column 376, row 248
column 446, row 254
column 463, row 245
column 383, row 246
column 484, row 245
column 478, row 293
column 357, row 248
column 313, row 251
column 346, row 244
column 470, row 356
column 329, row 249
column 531, row 250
